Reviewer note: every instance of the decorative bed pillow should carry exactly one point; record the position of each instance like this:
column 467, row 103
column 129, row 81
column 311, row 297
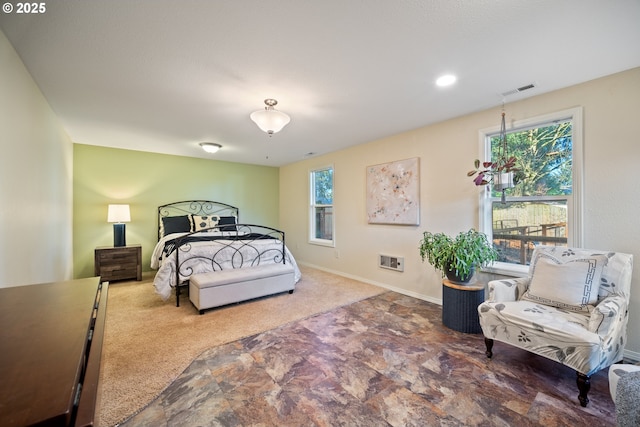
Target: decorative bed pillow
column 571, row 285
column 175, row 224
column 224, row 220
column 202, row 222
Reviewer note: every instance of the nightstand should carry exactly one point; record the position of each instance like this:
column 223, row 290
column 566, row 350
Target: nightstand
column 118, row 263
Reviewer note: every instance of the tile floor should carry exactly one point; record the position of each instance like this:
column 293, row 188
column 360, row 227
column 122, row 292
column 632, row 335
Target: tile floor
column 384, row 361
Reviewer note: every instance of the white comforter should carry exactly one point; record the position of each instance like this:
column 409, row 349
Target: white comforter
column 229, row 254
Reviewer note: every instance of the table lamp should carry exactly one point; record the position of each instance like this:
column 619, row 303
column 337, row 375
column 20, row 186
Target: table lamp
column 119, row 214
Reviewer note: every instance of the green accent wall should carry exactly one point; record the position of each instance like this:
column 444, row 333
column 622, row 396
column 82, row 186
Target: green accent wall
column 102, row 176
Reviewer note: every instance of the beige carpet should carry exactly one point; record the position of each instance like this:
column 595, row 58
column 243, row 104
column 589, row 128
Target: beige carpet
column 149, row 342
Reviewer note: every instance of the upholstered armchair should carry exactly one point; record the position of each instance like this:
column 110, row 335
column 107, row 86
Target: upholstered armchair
column 624, row 385
column 572, row 308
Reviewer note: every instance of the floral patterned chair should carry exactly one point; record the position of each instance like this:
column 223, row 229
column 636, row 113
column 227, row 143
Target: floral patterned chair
column 572, row 308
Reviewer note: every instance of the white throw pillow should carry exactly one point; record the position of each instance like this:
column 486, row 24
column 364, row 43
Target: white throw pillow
column 201, row 222
column 571, row 285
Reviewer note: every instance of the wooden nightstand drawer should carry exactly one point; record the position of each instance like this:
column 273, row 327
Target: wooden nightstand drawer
column 118, row 263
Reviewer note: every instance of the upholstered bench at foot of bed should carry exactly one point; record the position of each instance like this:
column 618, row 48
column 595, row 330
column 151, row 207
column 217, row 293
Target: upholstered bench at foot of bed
column 217, row 288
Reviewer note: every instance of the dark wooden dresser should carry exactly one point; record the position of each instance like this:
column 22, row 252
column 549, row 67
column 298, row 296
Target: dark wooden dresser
column 50, row 348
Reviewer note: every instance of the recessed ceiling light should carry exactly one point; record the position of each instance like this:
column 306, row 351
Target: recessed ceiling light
column 446, row 80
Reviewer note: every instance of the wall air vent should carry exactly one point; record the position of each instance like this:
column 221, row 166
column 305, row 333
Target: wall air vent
column 391, row 262
column 520, row 89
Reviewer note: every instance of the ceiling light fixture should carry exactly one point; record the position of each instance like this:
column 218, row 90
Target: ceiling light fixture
column 270, row 120
column 210, row 147
column 446, row 80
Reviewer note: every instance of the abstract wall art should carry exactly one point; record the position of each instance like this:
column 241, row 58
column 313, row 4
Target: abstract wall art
column 393, row 192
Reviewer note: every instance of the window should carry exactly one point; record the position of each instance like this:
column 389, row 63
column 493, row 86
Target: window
column 545, row 205
column 321, row 212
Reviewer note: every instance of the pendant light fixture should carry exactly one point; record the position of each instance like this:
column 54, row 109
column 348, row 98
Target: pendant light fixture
column 270, row 120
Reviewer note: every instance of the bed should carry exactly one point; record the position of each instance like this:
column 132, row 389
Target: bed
column 202, row 236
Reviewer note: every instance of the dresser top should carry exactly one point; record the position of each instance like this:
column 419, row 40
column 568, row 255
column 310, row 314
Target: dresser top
column 43, row 339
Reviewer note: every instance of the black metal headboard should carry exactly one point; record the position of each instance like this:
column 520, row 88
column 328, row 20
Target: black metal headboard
column 195, row 207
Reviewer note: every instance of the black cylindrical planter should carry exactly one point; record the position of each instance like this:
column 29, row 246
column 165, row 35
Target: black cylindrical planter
column 460, row 306
column 119, row 238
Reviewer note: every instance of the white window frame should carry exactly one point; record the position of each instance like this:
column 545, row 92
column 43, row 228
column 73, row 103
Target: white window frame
column 574, row 200
column 312, row 206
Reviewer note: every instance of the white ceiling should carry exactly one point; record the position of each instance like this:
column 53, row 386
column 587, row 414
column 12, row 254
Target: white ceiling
column 164, row 75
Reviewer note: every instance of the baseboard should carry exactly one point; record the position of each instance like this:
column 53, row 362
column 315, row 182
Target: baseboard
column 427, row 298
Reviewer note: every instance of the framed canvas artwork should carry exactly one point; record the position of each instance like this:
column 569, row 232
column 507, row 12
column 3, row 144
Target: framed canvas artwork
column 393, row 192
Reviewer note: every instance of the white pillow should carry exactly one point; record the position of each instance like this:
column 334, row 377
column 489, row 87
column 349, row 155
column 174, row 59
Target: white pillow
column 201, row 222
column 571, row 285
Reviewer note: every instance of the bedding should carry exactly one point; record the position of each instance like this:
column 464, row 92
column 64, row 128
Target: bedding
column 190, row 223
column 208, row 238
column 213, row 250
column 166, row 245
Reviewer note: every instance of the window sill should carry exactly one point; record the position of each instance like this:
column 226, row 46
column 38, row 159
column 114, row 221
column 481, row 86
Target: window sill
column 505, row 269
column 327, row 243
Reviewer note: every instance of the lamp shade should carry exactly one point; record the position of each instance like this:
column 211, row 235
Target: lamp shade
column 270, row 120
column 118, row 213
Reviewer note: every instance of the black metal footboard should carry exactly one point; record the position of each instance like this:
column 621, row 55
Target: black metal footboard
column 225, row 247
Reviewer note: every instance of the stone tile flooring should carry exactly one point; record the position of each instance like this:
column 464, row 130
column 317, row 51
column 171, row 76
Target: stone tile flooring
column 384, row 361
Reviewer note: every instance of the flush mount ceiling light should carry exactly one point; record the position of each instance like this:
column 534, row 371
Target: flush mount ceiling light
column 210, row 147
column 270, row 120
column 446, row 80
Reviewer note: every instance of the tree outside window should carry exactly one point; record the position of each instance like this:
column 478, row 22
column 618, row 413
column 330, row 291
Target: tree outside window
column 542, row 207
column 544, row 157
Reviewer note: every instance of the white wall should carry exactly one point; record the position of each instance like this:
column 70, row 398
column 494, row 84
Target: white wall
column 449, row 200
column 36, row 172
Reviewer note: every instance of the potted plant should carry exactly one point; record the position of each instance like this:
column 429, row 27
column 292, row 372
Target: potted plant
column 457, row 257
column 501, row 173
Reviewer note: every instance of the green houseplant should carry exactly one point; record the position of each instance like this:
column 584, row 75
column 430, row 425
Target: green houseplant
column 457, row 257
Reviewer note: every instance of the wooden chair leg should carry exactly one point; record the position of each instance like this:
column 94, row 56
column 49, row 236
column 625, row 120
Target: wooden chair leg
column 489, row 343
column 584, row 385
